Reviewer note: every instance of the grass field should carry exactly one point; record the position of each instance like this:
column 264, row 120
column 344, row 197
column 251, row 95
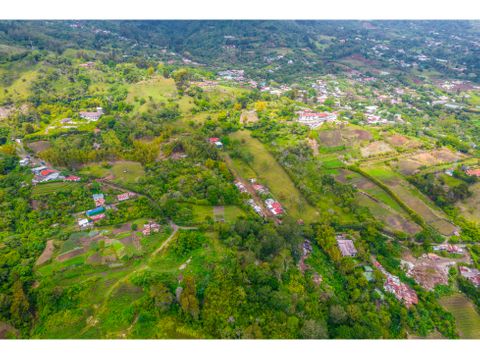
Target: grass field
column 466, row 317
column 122, row 172
column 270, row 173
column 20, row 88
column 158, row 89
column 51, row 188
column 127, row 171
column 228, row 213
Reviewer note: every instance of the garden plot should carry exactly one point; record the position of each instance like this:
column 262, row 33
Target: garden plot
column 339, row 137
column 403, row 142
column 411, row 164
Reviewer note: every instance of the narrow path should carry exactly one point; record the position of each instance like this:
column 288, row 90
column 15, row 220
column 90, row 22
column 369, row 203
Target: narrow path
column 140, row 268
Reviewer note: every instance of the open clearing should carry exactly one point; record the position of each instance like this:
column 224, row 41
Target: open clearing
column 466, row 317
column 270, row 173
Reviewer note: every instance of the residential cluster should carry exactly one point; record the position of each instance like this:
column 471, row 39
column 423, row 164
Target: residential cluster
column 393, row 285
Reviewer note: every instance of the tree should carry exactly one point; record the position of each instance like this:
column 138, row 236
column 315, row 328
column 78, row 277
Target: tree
column 161, row 296
column 312, row 329
column 188, row 298
column 20, row 308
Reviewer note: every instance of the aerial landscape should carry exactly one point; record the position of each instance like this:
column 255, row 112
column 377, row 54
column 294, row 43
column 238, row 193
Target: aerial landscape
column 239, row 179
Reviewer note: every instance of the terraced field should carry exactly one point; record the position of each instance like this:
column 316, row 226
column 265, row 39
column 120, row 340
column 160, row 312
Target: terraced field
column 467, row 318
column 380, row 204
column 412, row 198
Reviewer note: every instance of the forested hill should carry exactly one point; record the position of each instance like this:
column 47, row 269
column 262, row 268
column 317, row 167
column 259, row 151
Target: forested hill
column 285, row 49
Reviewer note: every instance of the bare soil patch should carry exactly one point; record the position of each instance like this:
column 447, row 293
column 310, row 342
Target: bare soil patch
column 376, row 148
column 436, row 157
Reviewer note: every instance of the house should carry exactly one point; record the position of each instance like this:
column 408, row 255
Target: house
column 84, row 223
column 37, row 169
column 72, row 178
column 99, row 199
column 92, row 116
column 47, row 172
column 95, row 211
column 47, row 175
column 471, row 274
column 215, row 141
column 375, row 119
column 314, row 119
column 98, row 217
column 346, row 246
column 255, row 207
column 453, row 249
column 150, row 227
column 87, row 65
column 24, row 162
column 368, row 273
column 274, row 206
column 66, row 121
column 260, row 189
column 241, row 187
column 125, row 196
column 473, row 172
